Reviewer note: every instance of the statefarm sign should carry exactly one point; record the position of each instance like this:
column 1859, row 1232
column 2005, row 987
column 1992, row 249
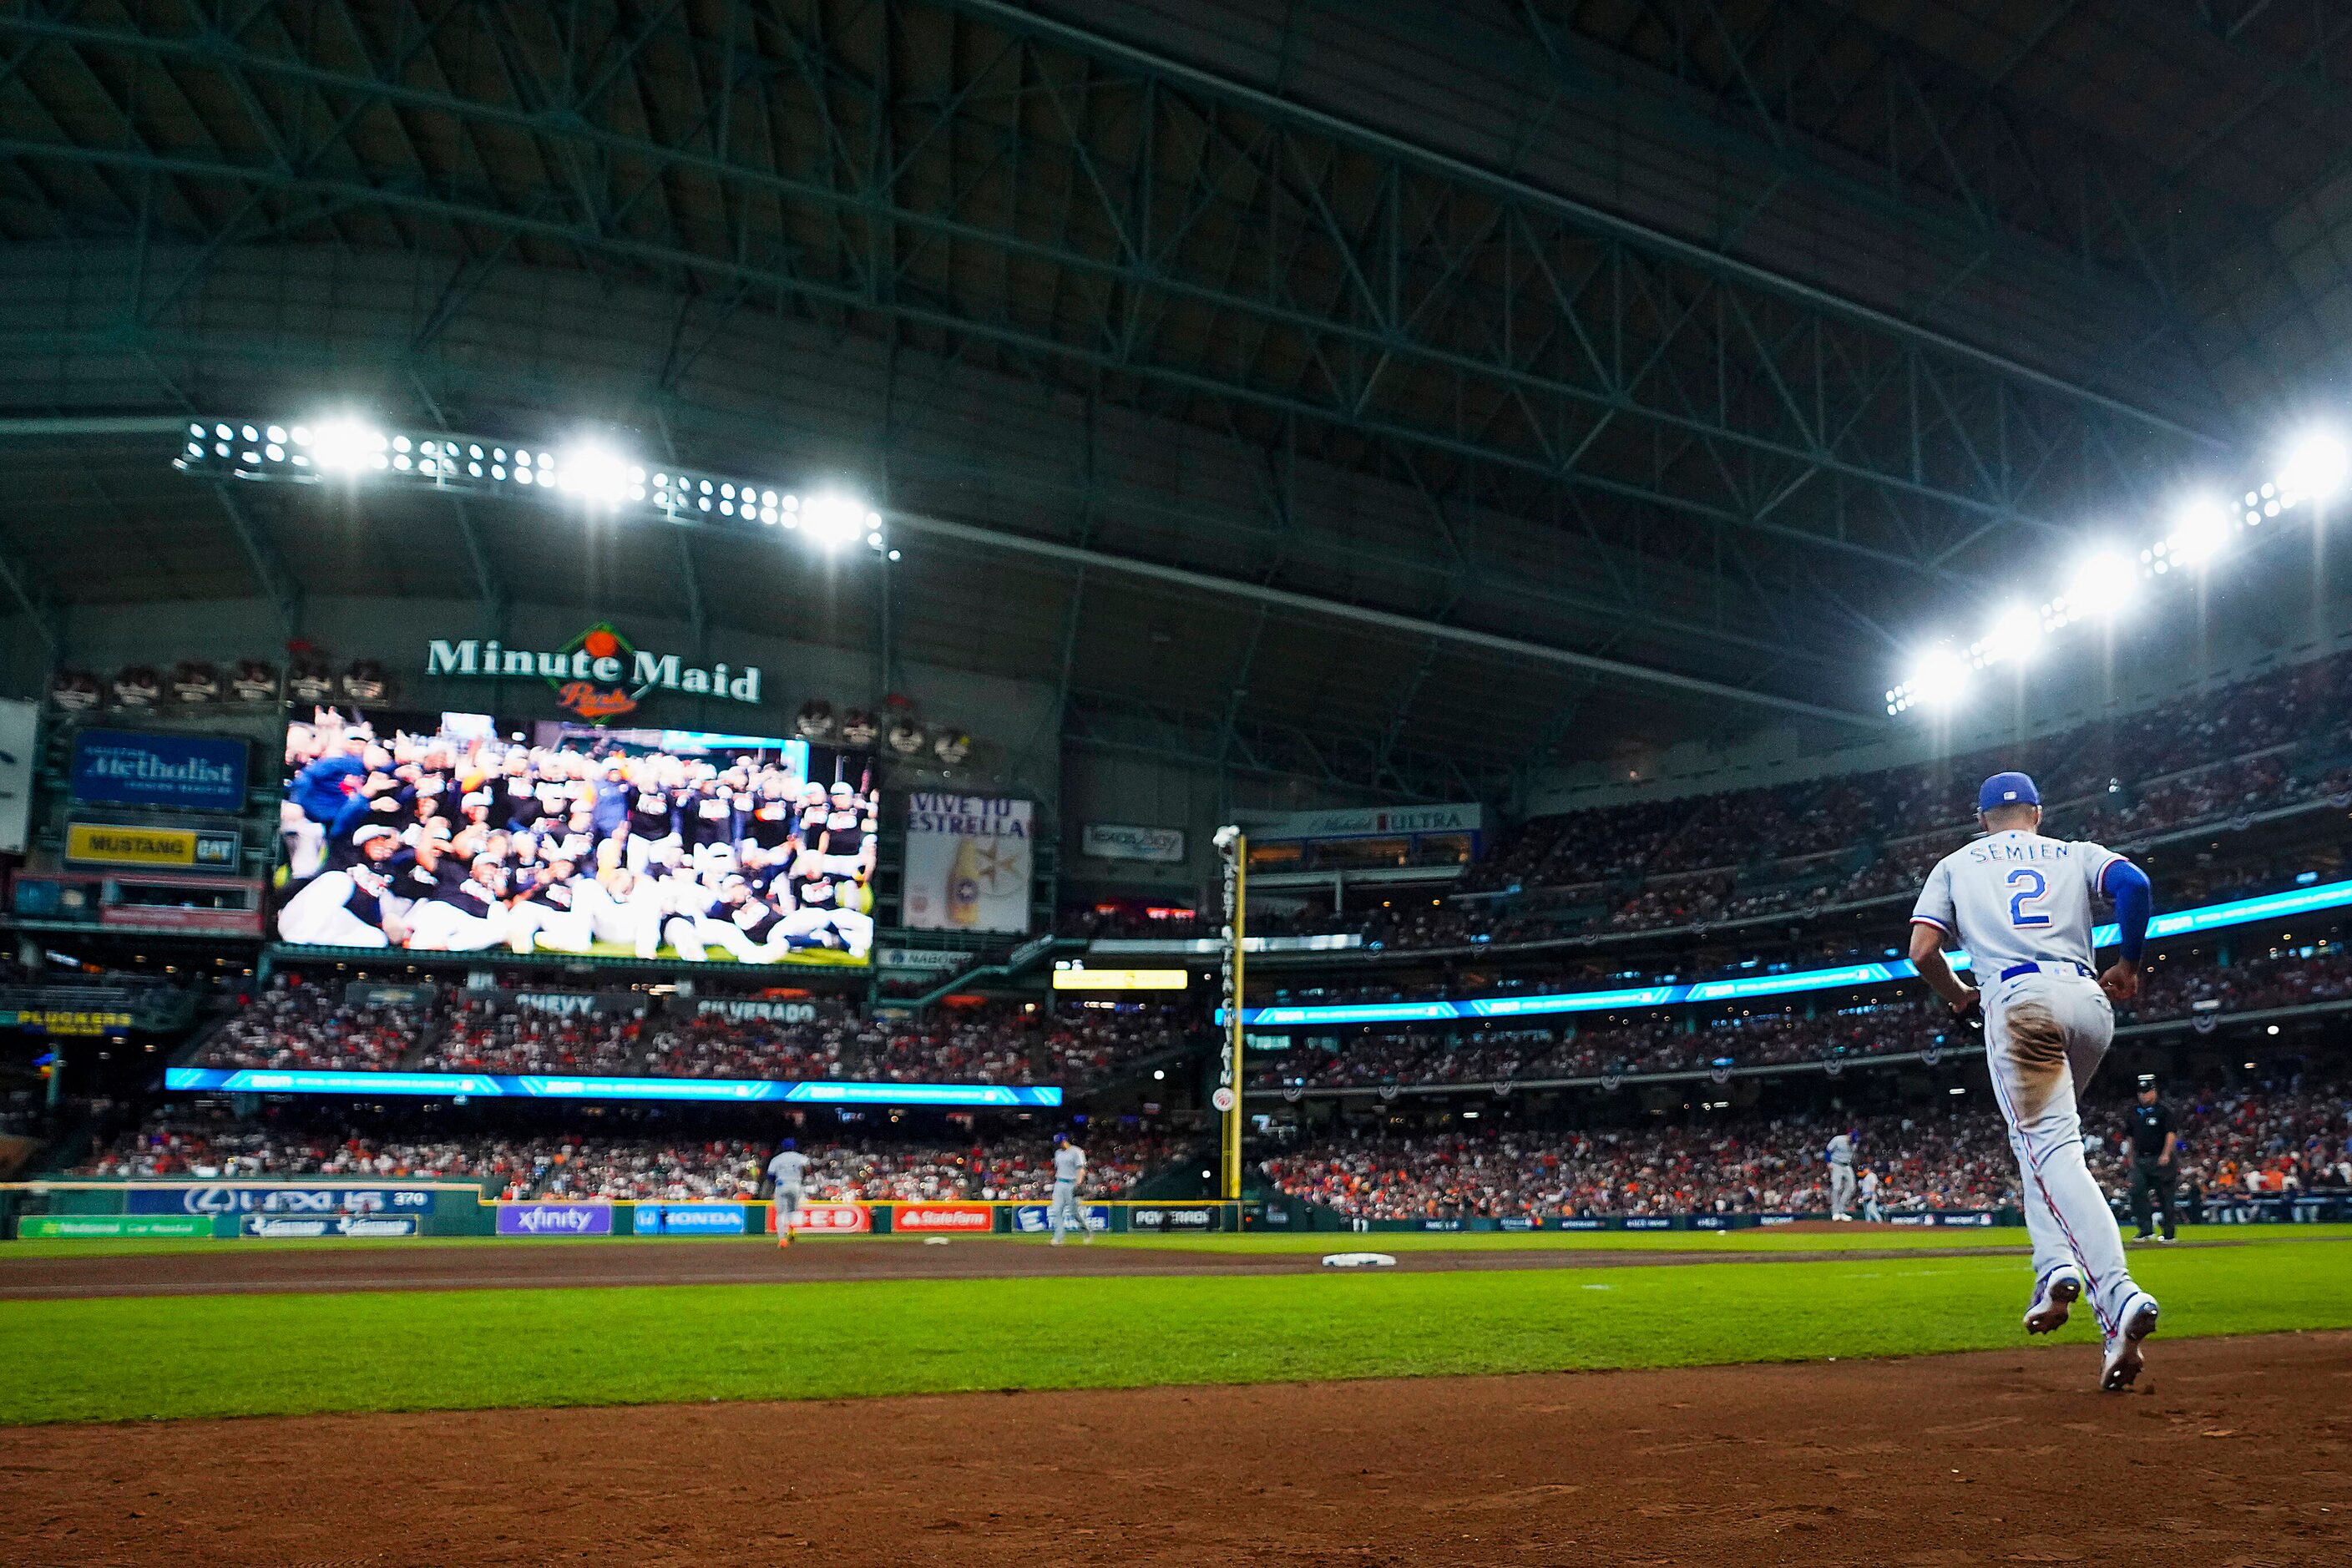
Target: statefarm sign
column 599, row 675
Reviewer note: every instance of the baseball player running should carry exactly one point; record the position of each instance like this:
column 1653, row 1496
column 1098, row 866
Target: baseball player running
column 2020, row 904
column 1871, row 1213
column 1069, row 1170
column 788, row 1177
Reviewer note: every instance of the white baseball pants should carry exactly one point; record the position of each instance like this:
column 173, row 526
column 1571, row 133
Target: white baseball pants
column 1066, row 1212
column 2046, row 1035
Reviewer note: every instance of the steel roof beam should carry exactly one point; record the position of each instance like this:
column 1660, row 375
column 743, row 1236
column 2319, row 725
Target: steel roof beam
column 1413, row 627
column 1595, row 220
column 1670, row 403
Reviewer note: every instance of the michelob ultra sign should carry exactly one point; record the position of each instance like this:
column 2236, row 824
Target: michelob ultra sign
column 967, row 863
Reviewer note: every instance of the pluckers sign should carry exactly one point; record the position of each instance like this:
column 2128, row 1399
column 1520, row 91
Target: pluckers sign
column 599, row 675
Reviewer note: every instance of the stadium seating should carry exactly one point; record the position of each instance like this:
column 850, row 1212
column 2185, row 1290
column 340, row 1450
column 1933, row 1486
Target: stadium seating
column 1766, row 1036
column 2272, row 1139
column 2273, row 742
column 204, row 1141
column 309, row 1027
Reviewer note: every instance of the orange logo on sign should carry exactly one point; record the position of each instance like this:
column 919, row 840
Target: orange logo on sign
column 591, row 702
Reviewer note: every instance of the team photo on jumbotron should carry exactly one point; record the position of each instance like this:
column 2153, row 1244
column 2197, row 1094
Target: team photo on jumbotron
column 963, row 783
column 445, row 833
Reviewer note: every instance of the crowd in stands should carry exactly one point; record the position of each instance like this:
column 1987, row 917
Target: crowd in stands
column 1017, row 1169
column 1956, row 1160
column 2276, row 740
column 1642, row 1044
column 2252, row 1141
column 206, row 1143
column 313, row 1027
column 305, row 1026
column 2112, row 779
column 2183, row 987
column 2280, row 1137
column 2186, row 987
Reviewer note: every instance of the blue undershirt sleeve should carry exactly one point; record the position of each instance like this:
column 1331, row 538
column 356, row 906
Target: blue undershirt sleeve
column 2135, row 901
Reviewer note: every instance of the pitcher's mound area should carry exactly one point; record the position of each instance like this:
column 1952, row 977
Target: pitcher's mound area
column 2234, row 1452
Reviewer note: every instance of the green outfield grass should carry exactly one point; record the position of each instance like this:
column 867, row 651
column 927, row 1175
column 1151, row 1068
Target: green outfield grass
column 130, row 1358
column 1732, row 1242
column 1858, row 1239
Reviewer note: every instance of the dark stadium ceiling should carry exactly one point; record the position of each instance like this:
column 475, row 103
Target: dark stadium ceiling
column 1397, row 397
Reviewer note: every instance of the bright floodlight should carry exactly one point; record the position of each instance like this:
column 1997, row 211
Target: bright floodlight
column 2200, row 529
column 2101, row 585
column 2015, row 634
column 345, row 445
column 2314, row 468
column 594, row 473
column 1940, row 679
column 833, row 520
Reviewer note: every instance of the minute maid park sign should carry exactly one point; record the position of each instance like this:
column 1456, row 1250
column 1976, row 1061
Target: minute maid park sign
column 599, row 675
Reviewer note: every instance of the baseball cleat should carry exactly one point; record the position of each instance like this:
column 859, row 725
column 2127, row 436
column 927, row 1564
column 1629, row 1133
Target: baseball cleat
column 2122, row 1364
column 2054, row 1296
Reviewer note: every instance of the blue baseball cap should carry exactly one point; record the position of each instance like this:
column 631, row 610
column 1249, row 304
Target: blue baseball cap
column 2007, row 789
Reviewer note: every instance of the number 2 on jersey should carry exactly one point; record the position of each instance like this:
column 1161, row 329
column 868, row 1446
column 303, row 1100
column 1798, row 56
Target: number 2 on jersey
column 2030, row 885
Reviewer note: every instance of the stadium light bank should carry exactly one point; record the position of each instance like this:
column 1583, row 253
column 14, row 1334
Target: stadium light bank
column 2106, row 581
column 587, row 473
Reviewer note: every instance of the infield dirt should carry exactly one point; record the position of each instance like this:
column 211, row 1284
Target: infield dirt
column 2233, row 1452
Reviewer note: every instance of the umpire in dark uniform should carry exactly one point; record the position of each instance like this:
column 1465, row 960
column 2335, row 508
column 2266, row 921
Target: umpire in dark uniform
column 2154, row 1173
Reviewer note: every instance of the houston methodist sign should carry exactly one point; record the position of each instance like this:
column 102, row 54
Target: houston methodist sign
column 599, row 675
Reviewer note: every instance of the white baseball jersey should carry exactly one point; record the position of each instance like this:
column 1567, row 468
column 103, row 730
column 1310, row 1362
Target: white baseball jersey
column 1869, row 1184
column 1069, row 1163
column 1841, row 1149
column 2016, row 898
column 788, row 1170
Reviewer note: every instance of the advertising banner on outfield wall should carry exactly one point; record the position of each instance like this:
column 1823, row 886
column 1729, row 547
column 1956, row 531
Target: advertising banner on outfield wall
column 967, row 863
column 944, row 1217
column 690, row 1219
column 1037, row 1220
column 229, row 1198
column 555, row 1219
column 1193, row 1219
column 18, row 723
column 325, row 1224
column 106, row 1226
column 829, row 1219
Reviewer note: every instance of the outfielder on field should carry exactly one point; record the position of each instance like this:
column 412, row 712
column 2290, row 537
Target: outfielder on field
column 1069, row 1170
column 2020, row 904
column 1839, row 1155
column 788, row 1177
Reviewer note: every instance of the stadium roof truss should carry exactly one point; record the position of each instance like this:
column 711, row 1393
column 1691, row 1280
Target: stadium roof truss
column 1663, row 355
